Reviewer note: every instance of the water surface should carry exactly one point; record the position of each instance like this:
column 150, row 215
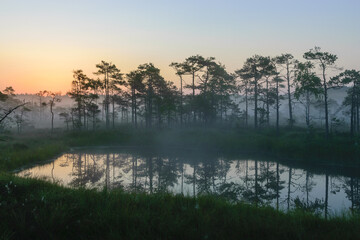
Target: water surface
column 262, row 182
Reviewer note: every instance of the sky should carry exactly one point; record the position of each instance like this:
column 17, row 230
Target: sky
column 42, row 42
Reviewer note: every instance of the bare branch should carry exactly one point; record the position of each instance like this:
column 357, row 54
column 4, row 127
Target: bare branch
column 10, row 111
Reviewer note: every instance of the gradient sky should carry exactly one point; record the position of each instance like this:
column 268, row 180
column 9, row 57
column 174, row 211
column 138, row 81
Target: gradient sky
column 41, row 42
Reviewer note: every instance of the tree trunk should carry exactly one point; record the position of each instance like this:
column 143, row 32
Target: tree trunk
column 193, row 100
column 277, row 106
column 256, row 103
column 52, row 118
column 107, row 101
column 94, row 121
column 246, row 106
column 352, row 115
column 150, row 111
column 267, row 103
column 84, row 113
column 79, row 112
column 289, row 95
column 326, row 104
column 136, row 122
column 357, row 115
column 307, row 113
column 113, row 113
column 132, row 107
column 181, row 101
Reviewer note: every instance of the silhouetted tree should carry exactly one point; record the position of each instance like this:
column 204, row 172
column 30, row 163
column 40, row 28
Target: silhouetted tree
column 325, row 61
column 351, row 78
column 244, row 86
column 256, row 68
column 307, row 85
column 108, row 70
column 54, row 97
column 78, row 93
column 180, row 69
column 6, row 96
column 117, row 95
column 41, row 95
column 135, row 82
column 278, row 85
column 192, row 65
column 287, row 61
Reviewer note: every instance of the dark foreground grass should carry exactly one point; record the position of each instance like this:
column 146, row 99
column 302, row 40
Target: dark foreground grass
column 34, row 209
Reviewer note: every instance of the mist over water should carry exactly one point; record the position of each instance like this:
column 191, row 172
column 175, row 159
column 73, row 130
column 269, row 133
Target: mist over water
column 260, row 182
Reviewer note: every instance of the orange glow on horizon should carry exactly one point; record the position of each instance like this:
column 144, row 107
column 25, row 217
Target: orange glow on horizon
column 30, row 70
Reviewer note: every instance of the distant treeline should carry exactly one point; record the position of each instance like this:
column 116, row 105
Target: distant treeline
column 143, row 97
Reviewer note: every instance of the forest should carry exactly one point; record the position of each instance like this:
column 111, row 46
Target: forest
column 266, row 92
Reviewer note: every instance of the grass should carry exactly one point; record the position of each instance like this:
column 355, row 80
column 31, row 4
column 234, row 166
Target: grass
column 35, row 209
column 21, row 151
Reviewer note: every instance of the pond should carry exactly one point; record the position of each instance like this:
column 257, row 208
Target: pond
column 323, row 190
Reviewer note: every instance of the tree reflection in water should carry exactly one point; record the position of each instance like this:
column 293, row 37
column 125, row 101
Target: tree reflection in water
column 254, row 181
